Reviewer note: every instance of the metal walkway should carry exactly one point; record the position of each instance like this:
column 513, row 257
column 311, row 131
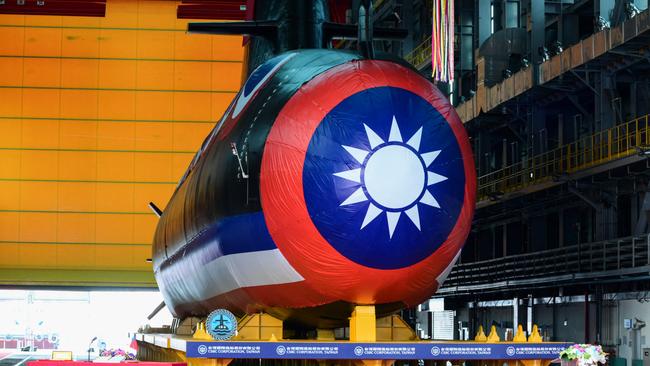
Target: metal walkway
column 574, row 264
column 629, row 139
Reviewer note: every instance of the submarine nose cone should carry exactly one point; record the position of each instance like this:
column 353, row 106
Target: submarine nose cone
column 367, row 177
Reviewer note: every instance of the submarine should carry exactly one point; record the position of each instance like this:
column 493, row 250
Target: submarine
column 334, row 178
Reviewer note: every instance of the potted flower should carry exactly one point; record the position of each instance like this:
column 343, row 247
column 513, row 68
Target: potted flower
column 116, row 355
column 583, row 355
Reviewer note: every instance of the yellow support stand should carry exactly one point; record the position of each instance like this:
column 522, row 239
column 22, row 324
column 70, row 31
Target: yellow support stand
column 520, row 336
column 200, row 332
column 363, row 328
column 259, row 327
column 363, row 324
column 393, row 328
column 480, row 335
column 494, row 336
column 535, row 337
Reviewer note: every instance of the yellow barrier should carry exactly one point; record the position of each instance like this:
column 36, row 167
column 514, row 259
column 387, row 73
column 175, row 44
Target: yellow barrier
column 535, row 337
column 480, row 335
column 493, row 336
column 519, row 337
column 614, row 143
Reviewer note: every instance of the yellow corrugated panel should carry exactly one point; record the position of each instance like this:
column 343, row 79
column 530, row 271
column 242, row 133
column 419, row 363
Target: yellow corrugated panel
column 99, row 116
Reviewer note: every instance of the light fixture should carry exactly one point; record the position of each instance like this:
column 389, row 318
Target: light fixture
column 631, row 10
column 543, row 52
column 601, row 24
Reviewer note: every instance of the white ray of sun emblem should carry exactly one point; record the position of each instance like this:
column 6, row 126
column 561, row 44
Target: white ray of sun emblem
column 393, row 176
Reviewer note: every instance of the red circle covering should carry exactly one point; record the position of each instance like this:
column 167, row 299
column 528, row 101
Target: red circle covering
column 328, row 274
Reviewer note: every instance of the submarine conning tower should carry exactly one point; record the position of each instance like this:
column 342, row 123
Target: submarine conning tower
column 282, row 25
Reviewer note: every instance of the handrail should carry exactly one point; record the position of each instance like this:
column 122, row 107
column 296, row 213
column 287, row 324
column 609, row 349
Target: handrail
column 614, row 143
column 601, row 256
column 562, row 251
column 420, row 53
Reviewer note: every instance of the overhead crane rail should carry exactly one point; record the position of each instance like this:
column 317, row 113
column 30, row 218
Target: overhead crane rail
column 618, row 142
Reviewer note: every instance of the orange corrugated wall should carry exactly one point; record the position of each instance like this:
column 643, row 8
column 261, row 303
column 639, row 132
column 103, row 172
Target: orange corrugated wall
column 99, row 116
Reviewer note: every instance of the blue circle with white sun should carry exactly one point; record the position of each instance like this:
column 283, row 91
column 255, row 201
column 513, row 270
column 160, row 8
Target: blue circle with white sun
column 383, row 178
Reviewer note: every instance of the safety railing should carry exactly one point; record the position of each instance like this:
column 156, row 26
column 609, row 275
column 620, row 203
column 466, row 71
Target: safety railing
column 597, row 257
column 620, row 141
column 420, row 54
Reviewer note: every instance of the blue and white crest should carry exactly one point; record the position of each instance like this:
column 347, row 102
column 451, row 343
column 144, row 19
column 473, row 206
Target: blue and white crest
column 221, row 324
column 384, row 178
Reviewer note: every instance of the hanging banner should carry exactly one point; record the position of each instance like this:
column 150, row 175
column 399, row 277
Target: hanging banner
column 442, row 41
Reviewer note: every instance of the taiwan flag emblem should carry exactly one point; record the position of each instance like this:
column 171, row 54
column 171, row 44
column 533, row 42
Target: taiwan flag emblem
column 368, row 171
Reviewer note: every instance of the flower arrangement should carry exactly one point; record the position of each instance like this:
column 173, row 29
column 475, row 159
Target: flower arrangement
column 584, row 355
column 128, row 356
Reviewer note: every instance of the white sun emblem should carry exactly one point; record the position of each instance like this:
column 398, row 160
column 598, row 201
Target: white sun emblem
column 393, row 176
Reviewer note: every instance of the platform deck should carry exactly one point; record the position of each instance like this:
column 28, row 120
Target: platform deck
column 322, row 350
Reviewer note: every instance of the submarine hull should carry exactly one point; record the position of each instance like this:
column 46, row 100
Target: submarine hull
column 330, row 181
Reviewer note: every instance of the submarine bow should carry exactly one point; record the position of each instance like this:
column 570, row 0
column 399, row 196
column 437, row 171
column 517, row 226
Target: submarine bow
column 330, row 180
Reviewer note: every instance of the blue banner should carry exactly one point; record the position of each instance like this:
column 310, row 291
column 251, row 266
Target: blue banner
column 376, row 351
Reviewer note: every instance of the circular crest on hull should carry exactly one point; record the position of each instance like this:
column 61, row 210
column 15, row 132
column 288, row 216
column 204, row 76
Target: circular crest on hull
column 367, row 180
column 384, row 180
